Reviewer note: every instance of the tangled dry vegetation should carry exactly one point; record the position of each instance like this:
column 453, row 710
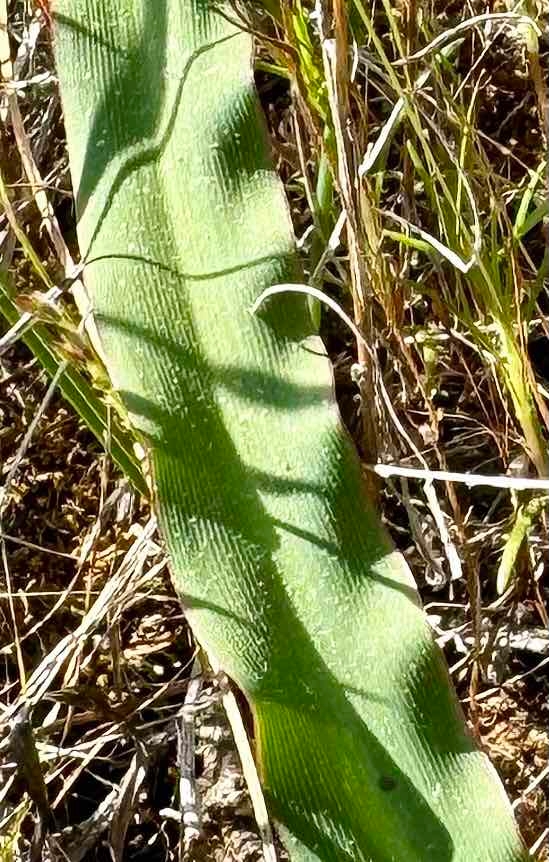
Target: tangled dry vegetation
column 91, row 631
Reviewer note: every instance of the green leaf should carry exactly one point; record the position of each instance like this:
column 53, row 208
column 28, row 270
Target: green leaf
column 524, row 222
column 523, row 520
column 287, row 577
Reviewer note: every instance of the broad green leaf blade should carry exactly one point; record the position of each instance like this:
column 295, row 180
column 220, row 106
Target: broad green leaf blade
column 287, row 576
column 80, row 395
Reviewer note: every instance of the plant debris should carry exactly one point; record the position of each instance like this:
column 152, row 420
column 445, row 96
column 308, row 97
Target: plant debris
column 91, row 756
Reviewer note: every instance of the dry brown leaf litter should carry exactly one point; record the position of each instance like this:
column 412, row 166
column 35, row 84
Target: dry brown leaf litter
column 105, row 728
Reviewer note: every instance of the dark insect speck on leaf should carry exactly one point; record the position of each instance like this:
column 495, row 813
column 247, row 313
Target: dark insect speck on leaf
column 387, row 783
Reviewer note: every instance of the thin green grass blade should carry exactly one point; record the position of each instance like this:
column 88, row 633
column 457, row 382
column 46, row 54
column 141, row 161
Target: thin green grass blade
column 287, row 576
column 531, row 221
column 524, row 222
column 80, row 395
column 522, row 524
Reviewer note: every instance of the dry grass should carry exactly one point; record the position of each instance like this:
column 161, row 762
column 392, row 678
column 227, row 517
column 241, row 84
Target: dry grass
column 93, row 639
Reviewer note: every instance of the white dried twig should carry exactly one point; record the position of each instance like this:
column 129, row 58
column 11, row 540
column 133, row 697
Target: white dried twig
column 454, row 33
column 250, row 775
column 188, row 794
column 472, row 480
